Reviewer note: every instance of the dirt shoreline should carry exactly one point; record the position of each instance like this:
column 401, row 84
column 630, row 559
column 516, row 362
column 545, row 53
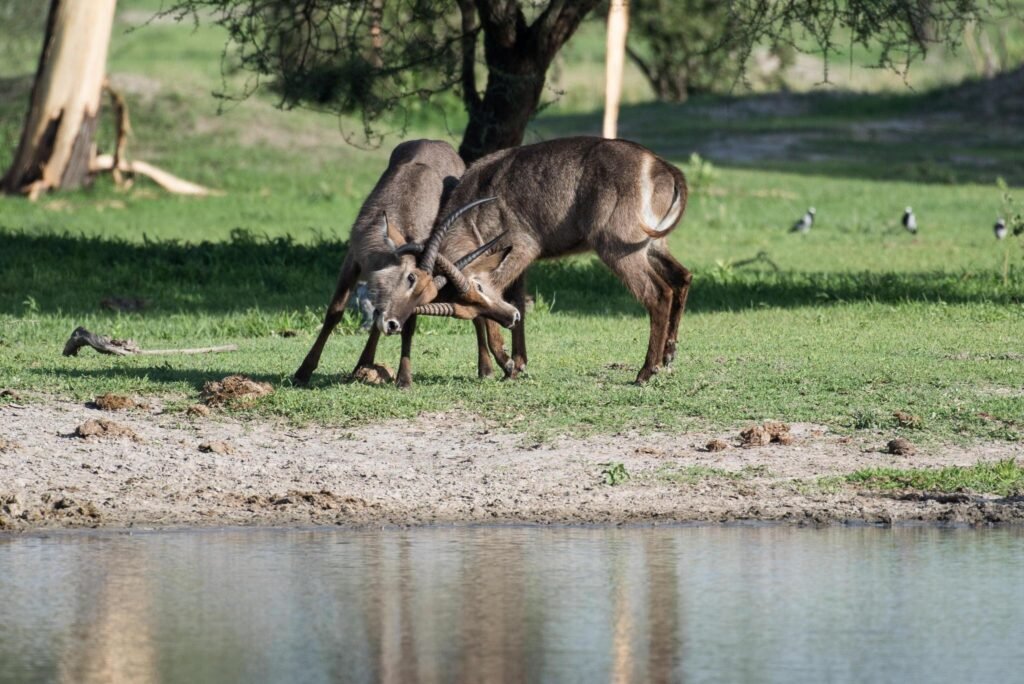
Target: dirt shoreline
column 439, row 469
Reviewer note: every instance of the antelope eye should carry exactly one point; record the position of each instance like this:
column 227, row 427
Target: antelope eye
column 411, row 278
column 479, row 287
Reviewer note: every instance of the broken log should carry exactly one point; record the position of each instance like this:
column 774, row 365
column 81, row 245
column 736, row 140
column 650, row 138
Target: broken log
column 105, row 345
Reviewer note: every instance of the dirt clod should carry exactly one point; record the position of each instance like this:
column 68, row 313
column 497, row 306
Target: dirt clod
column 116, row 402
column 288, row 332
column 69, row 506
column 784, row 438
column 216, row 446
column 907, row 420
column 9, row 394
column 234, row 389
column 717, row 445
column 900, row 447
column 766, row 433
column 8, row 445
column 197, row 411
column 377, row 374
column 104, row 429
column 755, row 435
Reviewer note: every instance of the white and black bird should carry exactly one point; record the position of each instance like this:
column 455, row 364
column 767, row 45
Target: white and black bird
column 1000, row 229
column 805, row 222
column 910, row 221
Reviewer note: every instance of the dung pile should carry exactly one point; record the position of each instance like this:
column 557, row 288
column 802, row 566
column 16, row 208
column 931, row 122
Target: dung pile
column 216, row 446
column 117, row 402
column 374, row 375
column 104, row 429
column 766, row 433
column 237, row 390
column 900, row 447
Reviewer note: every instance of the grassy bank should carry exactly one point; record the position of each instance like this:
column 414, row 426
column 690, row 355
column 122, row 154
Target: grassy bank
column 842, row 327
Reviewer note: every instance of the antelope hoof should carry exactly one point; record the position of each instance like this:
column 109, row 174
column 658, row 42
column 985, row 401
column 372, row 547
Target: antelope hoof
column 645, row 374
column 301, row 379
column 403, row 382
column 484, row 372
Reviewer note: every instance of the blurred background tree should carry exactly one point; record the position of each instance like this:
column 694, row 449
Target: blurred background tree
column 381, row 58
column 378, row 57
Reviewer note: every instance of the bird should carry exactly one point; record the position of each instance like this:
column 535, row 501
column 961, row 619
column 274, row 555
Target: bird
column 910, row 221
column 805, row 222
column 360, row 303
column 1000, row 229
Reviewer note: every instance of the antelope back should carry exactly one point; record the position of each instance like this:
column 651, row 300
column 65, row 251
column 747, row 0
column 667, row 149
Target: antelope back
column 569, row 195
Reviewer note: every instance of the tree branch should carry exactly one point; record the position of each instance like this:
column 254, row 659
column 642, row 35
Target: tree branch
column 104, row 345
column 557, row 23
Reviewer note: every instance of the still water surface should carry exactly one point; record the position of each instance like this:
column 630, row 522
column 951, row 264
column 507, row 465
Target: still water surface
column 488, row 604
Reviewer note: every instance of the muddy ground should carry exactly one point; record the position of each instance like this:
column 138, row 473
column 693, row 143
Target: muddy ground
column 174, row 469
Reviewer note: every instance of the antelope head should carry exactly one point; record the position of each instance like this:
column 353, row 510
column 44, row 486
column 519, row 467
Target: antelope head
column 415, row 273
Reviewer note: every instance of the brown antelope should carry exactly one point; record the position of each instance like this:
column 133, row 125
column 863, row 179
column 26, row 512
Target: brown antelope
column 565, row 196
column 386, row 239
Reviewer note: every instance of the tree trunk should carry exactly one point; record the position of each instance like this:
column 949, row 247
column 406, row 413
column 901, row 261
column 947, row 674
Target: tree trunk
column 57, row 140
column 498, row 121
column 615, row 57
column 518, row 56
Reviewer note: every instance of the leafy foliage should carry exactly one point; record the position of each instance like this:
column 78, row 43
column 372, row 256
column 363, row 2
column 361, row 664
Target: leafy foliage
column 379, row 59
column 688, row 47
column 614, row 473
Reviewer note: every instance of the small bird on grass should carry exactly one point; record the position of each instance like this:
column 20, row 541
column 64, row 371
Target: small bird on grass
column 910, row 221
column 805, row 222
column 1000, row 229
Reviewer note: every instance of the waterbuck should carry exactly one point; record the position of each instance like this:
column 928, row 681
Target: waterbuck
column 571, row 195
column 392, row 229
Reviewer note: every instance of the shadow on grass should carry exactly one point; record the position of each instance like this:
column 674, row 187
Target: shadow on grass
column 72, row 274
column 327, row 377
column 194, row 378
column 965, row 133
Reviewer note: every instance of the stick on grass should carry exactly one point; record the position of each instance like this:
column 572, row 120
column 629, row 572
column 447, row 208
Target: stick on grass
column 105, row 345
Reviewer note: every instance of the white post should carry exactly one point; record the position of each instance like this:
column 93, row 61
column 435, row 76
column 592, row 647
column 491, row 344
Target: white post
column 615, row 57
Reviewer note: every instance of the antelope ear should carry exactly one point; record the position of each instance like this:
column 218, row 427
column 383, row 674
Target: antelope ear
column 392, row 238
column 491, row 262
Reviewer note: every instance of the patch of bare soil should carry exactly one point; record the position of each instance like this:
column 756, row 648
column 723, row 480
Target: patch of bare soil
column 448, row 468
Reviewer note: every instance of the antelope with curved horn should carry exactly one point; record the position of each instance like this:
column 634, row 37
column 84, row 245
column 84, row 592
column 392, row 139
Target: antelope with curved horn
column 565, row 196
column 394, row 226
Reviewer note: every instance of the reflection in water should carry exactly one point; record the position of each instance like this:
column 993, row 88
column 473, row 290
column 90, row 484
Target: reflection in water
column 513, row 604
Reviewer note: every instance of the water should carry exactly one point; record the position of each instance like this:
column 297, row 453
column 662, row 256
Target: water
column 486, row 604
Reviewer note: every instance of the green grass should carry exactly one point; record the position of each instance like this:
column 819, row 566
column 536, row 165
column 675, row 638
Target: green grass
column 695, row 474
column 1004, row 478
column 859, row 319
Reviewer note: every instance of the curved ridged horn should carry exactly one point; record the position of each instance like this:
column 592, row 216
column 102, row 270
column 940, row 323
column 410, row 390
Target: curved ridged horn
column 409, row 248
column 434, row 243
column 479, row 251
column 435, row 309
column 450, row 272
